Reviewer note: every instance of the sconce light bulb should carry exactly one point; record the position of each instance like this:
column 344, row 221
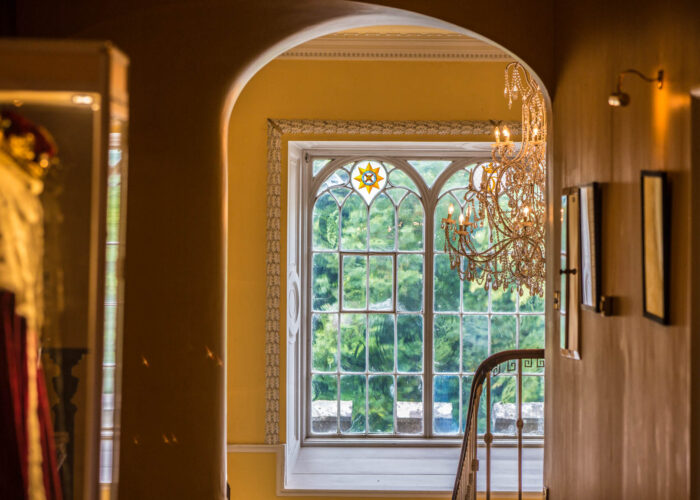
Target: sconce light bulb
column 506, row 133
column 618, row 99
column 535, row 130
column 451, row 209
column 461, row 219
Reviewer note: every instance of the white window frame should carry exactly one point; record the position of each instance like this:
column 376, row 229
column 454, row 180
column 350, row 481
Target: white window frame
column 368, row 464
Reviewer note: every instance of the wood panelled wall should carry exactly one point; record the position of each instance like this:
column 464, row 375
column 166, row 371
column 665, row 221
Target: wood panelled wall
column 619, row 420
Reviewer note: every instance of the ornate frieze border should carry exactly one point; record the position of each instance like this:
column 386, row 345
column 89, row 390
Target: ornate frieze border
column 397, row 46
column 275, row 130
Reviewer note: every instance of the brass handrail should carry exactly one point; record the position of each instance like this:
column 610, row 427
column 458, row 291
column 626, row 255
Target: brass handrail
column 465, row 482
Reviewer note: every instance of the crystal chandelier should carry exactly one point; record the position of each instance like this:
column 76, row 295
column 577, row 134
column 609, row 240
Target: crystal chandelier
column 498, row 240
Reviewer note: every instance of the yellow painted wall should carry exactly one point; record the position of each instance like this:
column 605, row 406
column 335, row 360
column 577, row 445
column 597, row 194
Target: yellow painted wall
column 340, row 90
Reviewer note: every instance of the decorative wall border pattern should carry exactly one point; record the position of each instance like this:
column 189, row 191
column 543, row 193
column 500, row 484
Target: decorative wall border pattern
column 397, row 46
column 275, row 130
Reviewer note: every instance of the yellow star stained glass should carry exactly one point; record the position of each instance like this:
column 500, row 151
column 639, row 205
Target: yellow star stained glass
column 369, row 178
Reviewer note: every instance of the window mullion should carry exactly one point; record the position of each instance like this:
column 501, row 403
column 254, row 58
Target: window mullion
column 428, row 294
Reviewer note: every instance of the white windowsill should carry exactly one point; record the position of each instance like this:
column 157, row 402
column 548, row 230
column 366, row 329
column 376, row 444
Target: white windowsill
column 401, row 471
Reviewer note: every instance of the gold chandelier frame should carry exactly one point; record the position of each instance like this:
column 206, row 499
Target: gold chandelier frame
column 498, row 240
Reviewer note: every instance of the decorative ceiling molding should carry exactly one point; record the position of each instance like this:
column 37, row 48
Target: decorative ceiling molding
column 428, row 46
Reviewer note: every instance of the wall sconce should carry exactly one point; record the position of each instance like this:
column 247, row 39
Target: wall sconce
column 620, row 98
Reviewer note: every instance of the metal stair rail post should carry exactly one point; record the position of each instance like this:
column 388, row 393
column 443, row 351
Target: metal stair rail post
column 465, row 482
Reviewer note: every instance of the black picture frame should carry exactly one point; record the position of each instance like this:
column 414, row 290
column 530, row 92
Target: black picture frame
column 590, row 241
column 655, row 254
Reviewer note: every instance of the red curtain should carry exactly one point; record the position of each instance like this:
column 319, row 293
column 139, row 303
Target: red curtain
column 13, row 382
column 13, row 410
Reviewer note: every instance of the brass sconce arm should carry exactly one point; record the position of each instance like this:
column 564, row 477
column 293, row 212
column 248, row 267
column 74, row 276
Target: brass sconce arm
column 620, row 98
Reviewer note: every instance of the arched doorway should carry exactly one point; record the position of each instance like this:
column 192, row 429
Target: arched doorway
column 189, row 62
column 254, row 67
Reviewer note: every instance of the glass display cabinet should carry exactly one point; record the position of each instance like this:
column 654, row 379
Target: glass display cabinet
column 63, row 171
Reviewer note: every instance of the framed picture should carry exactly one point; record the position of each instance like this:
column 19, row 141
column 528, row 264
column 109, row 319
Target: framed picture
column 655, row 245
column 589, row 200
column 570, row 288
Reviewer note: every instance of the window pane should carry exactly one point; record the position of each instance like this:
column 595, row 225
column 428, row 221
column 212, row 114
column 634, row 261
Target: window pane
column 352, row 342
column 475, row 297
column 381, row 282
column 409, row 405
column 108, row 384
column 381, row 342
column 354, row 282
column 532, row 332
column 396, row 194
column 504, row 412
column 411, row 223
column 476, row 341
column 531, row 303
column 325, row 223
column 502, row 333
column 441, row 213
column 110, row 332
column 340, row 193
column 318, row 165
column 429, row 170
column 446, row 285
column 446, row 404
column 466, row 393
column 324, row 404
column 409, row 333
column 106, row 447
column 381, row 403
column 111, row 275
column 533, row 405
column 107, row 398
column 324, row 342
column 338, row 178
column 562, row 306
column 325, row 282
column 458, row 180
column 354, row 223
column 398, row 178
column 532, row 337
column 382, row 224
column 446, row 343
column 504, row 301
column 352, row 403
column 410, row 282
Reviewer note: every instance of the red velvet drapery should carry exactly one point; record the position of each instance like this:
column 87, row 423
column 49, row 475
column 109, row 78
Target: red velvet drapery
column 14, row 378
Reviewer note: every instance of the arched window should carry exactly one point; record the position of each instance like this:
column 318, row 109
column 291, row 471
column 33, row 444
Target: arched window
column 393, row 335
